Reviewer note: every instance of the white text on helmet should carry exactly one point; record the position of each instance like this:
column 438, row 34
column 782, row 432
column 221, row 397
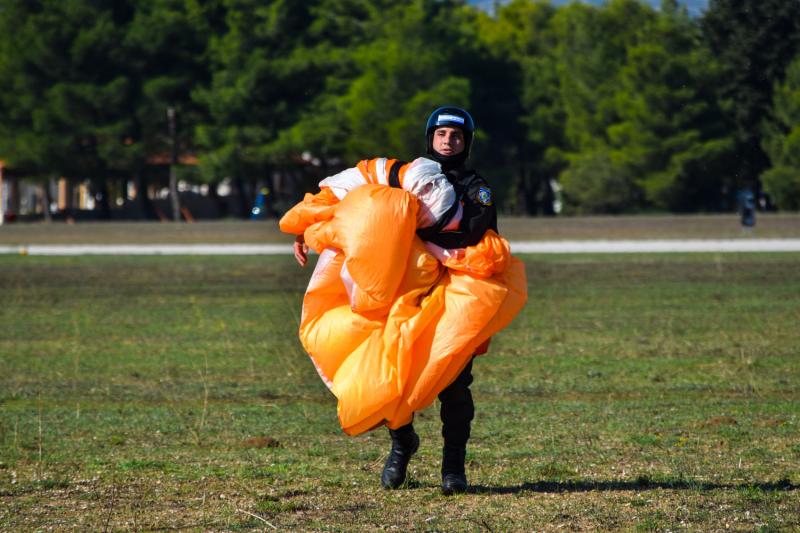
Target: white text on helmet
column 450, row 118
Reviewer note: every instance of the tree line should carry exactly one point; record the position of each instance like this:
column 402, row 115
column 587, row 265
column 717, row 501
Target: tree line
column 612, row 108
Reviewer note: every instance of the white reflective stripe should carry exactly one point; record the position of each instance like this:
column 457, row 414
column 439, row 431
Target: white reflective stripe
column 450, row 118
column 339, row 192
column 343, row 182
column 380, row 171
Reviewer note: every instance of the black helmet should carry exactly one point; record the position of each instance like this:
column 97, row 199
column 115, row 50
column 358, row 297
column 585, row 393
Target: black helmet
column 454, row 117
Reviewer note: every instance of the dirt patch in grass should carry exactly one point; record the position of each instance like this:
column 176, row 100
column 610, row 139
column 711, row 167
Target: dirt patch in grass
column 261, row 442
column 719, row 421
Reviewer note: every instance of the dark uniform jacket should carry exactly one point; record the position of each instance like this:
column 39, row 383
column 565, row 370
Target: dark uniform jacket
column 479, row 212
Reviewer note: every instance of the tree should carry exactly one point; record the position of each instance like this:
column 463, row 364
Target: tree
column 592, row 49
column 165, row 46
column 516, row 90
column 634, row 86
column 380, row 85
column 270, row 66
column 782, row 142
column 64, row 93
column 403, row 75
column 593, row 183
column 669, row 132
column 754, row 40
column 321, row 129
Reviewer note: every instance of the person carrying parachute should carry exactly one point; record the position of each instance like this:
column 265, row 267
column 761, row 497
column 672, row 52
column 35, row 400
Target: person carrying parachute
column 412, row 281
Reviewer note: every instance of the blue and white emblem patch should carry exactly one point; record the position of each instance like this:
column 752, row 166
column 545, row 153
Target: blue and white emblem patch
column 485, row 195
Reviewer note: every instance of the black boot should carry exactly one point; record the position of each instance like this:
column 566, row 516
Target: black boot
column 405, row 443
column 454, row 480
column 456, row 411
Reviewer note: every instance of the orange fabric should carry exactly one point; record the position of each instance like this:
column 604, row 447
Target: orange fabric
column 368, row 169
column 483, row 348
column 490, row 256
column 313, row 208
column 402, row 173
column 409, row 325
column 374, row 227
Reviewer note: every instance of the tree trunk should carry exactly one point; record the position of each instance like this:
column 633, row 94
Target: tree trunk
column 531, row 195
column 3, row 198
column 13, row 202
column 252, row 185
column 517, row 202
column 143, row 204
column 173, row 178
column 102, row 206
column 175, row 201
column 47, row 199
column 548, row 198
column 243, row 197
column 66, row 198
column 271, row 196
column 222, row 205
column 279, row 193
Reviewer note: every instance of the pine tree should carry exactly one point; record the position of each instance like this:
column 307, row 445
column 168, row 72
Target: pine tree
column 754, row 40
column 592, row 49
column 782, row 142
column 64, row 92
column 274, row 68
column 670, row 133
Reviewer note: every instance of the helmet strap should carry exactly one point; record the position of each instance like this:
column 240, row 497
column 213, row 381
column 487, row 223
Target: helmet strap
column 448, row 162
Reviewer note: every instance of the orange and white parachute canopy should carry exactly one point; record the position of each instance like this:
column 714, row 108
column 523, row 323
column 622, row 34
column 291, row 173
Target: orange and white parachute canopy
column 386, row 324
column 422, row 177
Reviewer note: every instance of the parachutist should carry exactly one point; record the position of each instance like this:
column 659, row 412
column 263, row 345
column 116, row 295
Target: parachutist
column 392, row 321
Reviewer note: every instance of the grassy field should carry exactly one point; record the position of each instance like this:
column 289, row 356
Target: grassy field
column 559, row 228
column 636, row 393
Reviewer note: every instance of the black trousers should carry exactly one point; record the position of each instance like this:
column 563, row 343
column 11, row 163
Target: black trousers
column 457, row 410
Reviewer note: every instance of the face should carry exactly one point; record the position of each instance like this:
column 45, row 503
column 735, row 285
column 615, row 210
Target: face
column 448, row 141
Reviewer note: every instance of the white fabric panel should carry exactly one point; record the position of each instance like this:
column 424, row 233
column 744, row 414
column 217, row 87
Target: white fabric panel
column 443, row 254
column 380, row 171
column 424, row 179
column 343, row 182
column 349, row 285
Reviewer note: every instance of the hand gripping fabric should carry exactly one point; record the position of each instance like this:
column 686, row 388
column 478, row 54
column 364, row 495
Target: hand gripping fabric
column 388, row 321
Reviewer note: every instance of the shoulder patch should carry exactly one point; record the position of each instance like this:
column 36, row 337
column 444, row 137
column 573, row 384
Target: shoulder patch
column 485, row 195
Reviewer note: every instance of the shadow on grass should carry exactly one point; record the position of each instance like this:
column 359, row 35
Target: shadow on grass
column 637, row 484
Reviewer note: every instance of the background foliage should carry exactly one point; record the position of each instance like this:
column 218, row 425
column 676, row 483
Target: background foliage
column 620, row 107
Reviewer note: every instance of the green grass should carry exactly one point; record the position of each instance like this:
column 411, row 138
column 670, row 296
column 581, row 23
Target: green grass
column 635, row 393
